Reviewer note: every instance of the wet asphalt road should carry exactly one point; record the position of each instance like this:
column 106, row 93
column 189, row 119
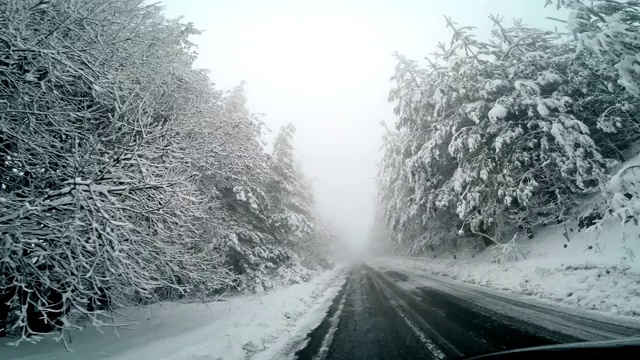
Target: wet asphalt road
column 399, row 314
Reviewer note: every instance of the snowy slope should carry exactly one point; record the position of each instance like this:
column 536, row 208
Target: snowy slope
column 605, row 277
column 595, row 269
column 236, row 327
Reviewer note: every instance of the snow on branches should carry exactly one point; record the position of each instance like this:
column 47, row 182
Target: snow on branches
column 125, row 176
column 99, row 205
column 610, row 30
column 506, row 134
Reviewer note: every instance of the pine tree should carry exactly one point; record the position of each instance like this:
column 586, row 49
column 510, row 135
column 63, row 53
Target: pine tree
column 499, row 136
column 290, row 183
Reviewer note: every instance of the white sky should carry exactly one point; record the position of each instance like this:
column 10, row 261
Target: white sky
column 324, row 66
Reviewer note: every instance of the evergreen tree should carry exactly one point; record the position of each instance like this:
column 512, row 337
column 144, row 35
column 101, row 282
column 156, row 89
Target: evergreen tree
column 500, row 136
column 294, row 188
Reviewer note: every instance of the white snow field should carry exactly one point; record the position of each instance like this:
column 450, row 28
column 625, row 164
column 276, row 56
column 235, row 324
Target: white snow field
column 237, row 327
column 595, row 271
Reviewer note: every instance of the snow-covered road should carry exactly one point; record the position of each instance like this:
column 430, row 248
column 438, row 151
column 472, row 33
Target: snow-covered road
column 398, row 313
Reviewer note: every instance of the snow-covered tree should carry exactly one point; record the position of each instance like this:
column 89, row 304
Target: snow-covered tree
column 126, row 177
column 504, row 135
column 291, row 187
column 99, row 203
column 262, row 205
column 379, row 234
column 608, row 30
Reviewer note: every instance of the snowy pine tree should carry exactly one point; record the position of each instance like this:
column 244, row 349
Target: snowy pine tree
column 501, row 136
column 296, row 220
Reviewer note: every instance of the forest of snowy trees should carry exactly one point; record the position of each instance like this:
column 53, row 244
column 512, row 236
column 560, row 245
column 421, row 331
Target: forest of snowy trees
column 496, row 138
column 127, row 177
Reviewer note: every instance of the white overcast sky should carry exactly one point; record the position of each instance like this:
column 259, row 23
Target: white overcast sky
column 324, row 65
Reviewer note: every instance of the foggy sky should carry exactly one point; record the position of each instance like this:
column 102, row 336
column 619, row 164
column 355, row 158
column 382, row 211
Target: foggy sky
column 325, row 66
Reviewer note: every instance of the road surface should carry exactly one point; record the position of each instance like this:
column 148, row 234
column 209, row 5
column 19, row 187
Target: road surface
column 383, row 313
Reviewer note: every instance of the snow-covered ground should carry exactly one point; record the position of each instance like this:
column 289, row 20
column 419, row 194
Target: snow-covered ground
column 595, row 270
column 237, row 327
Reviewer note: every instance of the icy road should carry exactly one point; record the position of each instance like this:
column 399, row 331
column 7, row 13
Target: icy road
column 383, row 313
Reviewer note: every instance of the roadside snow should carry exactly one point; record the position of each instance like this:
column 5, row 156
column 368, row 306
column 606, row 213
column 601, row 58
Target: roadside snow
column 237, row 327
column 596, row 270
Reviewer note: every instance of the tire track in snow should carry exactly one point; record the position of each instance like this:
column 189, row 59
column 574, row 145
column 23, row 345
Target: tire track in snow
column 333, row 326
column 564, row 320
column 319, row 339
column 366, row 324
column 435, row 343
column 437, row 353
column 396, row 314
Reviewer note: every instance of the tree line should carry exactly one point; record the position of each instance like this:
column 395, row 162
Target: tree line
column 495, row 138
column 126, row 176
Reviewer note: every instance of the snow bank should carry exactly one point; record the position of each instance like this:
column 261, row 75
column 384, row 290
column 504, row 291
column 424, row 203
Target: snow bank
column 236, row 327
column 595, row 271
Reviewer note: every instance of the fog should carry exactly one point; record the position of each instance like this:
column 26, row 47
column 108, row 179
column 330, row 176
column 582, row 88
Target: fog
column 325, row 67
